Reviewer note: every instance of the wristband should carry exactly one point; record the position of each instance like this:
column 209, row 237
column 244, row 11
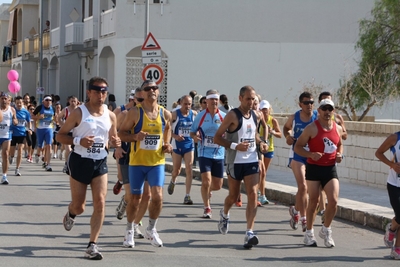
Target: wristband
column 233, row 146
column 77, row 141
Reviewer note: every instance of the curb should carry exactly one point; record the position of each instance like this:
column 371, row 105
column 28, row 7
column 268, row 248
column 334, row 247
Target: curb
column 361, row 217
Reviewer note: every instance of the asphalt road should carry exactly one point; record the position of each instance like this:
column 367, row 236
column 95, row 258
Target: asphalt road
column 31, row 231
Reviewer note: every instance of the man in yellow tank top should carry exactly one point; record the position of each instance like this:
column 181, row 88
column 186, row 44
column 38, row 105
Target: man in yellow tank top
column 148, row 127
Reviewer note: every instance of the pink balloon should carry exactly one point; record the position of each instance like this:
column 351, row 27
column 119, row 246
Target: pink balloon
column 14, row 87
column 12, row 75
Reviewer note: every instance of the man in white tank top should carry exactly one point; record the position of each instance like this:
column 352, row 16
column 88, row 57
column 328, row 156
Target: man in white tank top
column 8, row 117
column 94, row 126
column 241, row 139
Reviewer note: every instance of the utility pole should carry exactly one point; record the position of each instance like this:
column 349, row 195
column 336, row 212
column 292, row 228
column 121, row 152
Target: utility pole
column 41, row 49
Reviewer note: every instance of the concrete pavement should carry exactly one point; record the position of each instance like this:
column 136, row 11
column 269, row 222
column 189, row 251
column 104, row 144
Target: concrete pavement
column 31, row 231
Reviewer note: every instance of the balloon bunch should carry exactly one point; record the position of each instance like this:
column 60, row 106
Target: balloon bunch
column 14, row 86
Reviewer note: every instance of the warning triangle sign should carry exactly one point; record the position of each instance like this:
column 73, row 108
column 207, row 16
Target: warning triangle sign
column 150, row 43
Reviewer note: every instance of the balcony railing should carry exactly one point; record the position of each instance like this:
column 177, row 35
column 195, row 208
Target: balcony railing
column 19, row 49
column 46, row 40
column 28, row 46
column 88, row 29
column 54, row 38
column 74, row 33
column 108, row 19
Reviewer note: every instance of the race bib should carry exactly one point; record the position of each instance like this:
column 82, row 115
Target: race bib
column 95, row 149
column 150, row 142
column 184, row 131
column 209, row 142
column 46, row 123
column 21, row 122
column 251, row 142
column 3, row 126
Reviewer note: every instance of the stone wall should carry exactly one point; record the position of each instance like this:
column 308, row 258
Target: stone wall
column 359, row 165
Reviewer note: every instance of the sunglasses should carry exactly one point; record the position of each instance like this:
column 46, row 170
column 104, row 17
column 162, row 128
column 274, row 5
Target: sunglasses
column 327, row 107
column 139, row 99
column 146, row 89
column 308, row 102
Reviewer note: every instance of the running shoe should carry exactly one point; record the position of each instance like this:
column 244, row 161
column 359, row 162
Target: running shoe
column 326, row 234
column 171, row 187
column 250, row 240
column 187, row 200
column 304, row 224
column 65, row 168
column 207, row 213
column 153, row 236
column 60, row 155
column 322, row 216
column 395, row 254
column 54, row 156
column 238, row 202
column 17, row 173
column 309, row 239
column 137, row 233
column 44, row 165
column 117, row 188
column 11, row 160
column 37, row 158
column 92, row 252
column 4, row 180
column 389, row 236
column 294, row 220
column 29, row 159
column 263, row 200
column 68, row 222
column 223, row 224
column 128, row 239
column 48, row 168
column 120, row 210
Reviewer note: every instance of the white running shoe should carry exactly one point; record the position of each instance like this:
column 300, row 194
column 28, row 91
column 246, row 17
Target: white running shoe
column 129, row 242
column 4, row 180
column 389, row 236
column 120, row 210
column 93, row 253
column 223, row 224
column 68, row 222
column 309, row 239
column 326, row 234
column 17, row 173
column 153, row 236
column 250, row 240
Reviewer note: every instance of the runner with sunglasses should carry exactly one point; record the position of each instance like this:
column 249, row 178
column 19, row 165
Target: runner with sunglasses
column 324, row 139
column 296, row 124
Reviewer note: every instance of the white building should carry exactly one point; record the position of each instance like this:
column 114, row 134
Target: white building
column 276, row 46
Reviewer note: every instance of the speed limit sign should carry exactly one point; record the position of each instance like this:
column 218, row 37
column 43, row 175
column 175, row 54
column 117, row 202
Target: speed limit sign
column 153, row 72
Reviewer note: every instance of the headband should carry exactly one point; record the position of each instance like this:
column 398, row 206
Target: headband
column 47, row 98
column 212, row 96
column 98, row 88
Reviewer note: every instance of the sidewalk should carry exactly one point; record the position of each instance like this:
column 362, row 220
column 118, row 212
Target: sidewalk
column 357, row 203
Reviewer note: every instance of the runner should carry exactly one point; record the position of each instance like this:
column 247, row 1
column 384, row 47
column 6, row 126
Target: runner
column 7, row 117
column 211, row 155
column 94, row 126
column 242, row 139
column 148, row 128
column 183, row 145
column 19, row 132
column 296, row 124
column 324, row 150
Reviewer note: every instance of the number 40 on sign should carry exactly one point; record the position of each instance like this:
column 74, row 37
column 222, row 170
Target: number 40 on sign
column 153, row 72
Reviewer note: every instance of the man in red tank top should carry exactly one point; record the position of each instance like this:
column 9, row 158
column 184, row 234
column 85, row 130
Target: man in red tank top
column 323, row 137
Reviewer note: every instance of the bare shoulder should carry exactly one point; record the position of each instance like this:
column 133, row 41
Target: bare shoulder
column 167, row 114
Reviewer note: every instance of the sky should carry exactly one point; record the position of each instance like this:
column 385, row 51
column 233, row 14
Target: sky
column 5, row 2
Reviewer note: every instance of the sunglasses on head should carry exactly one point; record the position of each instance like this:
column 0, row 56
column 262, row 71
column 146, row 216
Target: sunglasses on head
column 146, row 89
column 308, row 102
column 327, row 107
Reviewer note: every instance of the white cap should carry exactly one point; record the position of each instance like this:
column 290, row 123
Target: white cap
column 325, row 102
column 264, row 104
column 132, row 92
